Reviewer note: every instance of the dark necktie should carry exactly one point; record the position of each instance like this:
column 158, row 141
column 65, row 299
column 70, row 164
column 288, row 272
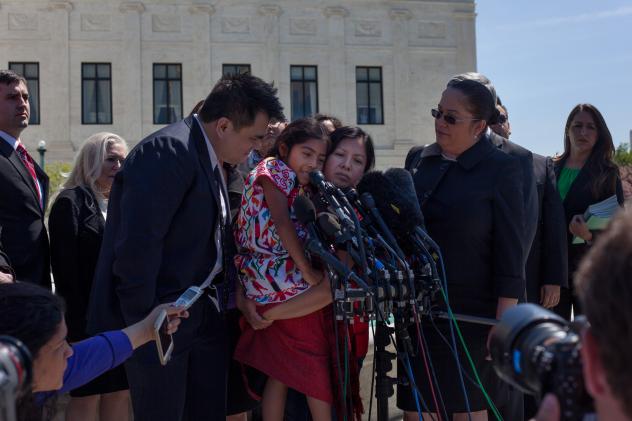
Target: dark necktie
column 30, row 167
column 227, row 243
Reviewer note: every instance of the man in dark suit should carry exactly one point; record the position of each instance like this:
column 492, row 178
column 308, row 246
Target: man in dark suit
column 23, row 188
column 168, row 228
column 546, row 260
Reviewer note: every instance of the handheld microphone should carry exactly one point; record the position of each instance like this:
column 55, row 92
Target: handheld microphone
column 367, row 200
column 330, row 192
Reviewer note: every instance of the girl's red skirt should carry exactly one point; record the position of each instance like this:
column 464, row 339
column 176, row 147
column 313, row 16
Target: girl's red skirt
column 295, row 352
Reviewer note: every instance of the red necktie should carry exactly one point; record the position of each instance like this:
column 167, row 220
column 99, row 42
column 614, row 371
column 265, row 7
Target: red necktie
column 30, row 166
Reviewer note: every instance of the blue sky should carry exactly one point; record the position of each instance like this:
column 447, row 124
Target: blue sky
column 544, row 57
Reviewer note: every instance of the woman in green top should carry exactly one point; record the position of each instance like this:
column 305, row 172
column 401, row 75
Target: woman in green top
column 586, row 174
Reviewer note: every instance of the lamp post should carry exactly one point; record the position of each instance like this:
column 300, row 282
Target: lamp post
column 41, row 148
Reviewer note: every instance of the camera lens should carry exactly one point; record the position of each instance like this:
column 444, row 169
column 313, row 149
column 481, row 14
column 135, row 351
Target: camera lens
column 521, row 344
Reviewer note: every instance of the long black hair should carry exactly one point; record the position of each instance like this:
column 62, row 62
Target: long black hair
column 348, row 132
column 601, row 159
column 32, row 315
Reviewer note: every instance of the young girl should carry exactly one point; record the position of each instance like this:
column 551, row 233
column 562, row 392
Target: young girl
column 273, row 268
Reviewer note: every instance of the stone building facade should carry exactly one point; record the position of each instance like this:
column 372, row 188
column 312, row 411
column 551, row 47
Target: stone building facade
column 382, row 64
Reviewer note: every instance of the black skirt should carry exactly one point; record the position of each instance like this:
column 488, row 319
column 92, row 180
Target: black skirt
column 113, row 380
column 446, row 371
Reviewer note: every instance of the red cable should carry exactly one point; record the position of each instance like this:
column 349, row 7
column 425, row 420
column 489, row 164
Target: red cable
column 423, row 352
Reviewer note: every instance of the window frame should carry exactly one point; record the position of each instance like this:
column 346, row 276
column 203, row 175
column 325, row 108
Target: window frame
column 96, row 79
column 304, row 81
column 166, row 79
column 368, row 83
column 37, row 81
column 237, row 66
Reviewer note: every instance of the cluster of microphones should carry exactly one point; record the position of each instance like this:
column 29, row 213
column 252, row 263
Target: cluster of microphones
column 380, row 229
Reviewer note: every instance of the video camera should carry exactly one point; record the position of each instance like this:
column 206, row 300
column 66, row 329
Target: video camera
column 15, row 374
column 538, row 352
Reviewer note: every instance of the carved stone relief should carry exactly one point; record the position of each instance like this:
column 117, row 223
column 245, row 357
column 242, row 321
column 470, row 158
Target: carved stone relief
column 431, row 30
column 23, row 22
column 236, row 25
column 301, row 26
column 165, row 23
column 95, row 23
column 368, row 28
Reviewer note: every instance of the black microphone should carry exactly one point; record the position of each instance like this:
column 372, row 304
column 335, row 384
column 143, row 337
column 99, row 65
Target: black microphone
column 306, row 213
column 332, row 195
column 369, row 203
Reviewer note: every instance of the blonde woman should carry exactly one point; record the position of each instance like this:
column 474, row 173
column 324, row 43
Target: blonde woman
column 76, row 224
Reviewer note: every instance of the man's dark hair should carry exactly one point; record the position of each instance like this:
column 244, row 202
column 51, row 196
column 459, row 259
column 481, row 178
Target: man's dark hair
column 604, row 285
column 239, row 98
column 9, row 77
column 321, row 118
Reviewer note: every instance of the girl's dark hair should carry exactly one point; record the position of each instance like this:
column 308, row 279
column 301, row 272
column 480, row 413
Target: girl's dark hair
column 300, row 131
column 347, row 132
column 32, row 315
column 601, row 159
column 480, row 94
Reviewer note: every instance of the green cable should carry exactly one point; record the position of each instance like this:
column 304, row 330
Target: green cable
column 469, row 358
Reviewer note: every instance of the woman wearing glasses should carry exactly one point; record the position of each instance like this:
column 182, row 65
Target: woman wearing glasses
column 76, row 224
column 471, row 194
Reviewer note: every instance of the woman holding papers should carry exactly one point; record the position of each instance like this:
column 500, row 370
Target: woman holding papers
column 587, row 177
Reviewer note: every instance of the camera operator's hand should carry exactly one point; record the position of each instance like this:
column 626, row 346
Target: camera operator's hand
column 549, row 295
column 142, row 332
column 549, row 409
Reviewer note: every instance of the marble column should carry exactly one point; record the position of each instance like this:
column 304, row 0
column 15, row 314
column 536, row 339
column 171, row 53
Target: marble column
column 337, row 72
column 201, row 58
column 59, row 88
column 271, row 59
column 132, row 84
column 401, row 77
column 465, row 21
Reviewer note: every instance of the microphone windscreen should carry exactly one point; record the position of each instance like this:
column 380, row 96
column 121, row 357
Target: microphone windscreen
column 329, row 224
column 316, row 178
column 304, row 210
column 406, row 196
column 395, row 198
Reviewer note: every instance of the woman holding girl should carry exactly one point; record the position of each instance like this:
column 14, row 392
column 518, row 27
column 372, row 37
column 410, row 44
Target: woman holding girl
column 273, row 268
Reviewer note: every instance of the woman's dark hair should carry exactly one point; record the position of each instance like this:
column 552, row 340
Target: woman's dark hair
column 32, row 315
column 300, row 131
column 347, row 132
column 480, row 94
column 601, row 159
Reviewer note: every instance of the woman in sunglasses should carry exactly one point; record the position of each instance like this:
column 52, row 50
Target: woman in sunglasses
column 471, row 194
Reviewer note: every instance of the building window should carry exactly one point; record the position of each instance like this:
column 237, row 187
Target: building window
column 234, row 69
column 304, row 88
column 30, row 71
column 96, row 93
column 167, row 93
column 369, row 105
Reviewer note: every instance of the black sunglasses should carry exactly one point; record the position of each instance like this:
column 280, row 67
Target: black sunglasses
column 502, row 119
column 448, row 118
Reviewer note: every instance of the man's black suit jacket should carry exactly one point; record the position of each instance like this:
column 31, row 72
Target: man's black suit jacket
column 548, row 262
column 525, row 157
column 159, row 234
column 23, row 235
